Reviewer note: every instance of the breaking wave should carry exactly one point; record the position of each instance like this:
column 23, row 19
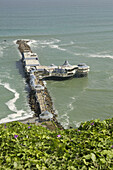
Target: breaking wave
column 18, row 114
column 64, row 119
column 70, row 105
column 101, row 56
column 57, row 47
column 51, row 43
column 54, row 44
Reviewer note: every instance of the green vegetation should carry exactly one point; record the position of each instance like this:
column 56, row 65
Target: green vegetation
column 89, row 147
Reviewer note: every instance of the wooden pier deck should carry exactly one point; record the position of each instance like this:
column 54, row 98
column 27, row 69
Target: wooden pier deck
column 42, row 102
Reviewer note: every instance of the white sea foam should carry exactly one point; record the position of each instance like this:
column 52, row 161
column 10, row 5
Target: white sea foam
column 64, row 119
column 8, row 119
column 47, row 42
column 56, row 40
column 57, row 47
column 52, row 43
column 110, row 77
column 31, row 42
column 72, row 98
column 70, row 106
column 18, row 114
column 77, row 124
column 68, row 44
column 74, row 53
column 15, row 42
column 1, row 52
column 100, row 56
column 72, row 42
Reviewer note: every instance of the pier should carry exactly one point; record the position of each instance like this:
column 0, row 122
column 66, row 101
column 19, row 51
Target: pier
column 39, row 97
column 36, row 74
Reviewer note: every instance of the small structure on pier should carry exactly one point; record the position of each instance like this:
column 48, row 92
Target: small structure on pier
column 46, row 115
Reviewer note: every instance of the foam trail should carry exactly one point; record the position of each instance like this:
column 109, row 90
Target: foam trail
column 48, row 42
column 68, row 44
column 45, row 42
column 11, row 103
column 100, row 56
column 57, row 47
column 7, row 119
column 12, row 107
column 52, row 43
column 64, row 119
column 70, row 106
column 72, row 98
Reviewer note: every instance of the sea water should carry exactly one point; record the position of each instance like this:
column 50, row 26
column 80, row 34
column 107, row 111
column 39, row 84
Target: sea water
column 77, row 31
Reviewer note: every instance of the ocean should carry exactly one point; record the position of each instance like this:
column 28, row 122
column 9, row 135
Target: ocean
column 77, row 31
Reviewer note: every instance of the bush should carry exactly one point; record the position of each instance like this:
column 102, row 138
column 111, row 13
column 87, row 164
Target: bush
column 24, row 146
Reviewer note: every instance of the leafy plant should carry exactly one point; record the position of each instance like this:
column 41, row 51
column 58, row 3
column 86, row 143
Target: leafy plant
column 24, row 146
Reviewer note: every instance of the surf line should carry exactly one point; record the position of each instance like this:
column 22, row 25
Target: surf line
column 11, row 105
